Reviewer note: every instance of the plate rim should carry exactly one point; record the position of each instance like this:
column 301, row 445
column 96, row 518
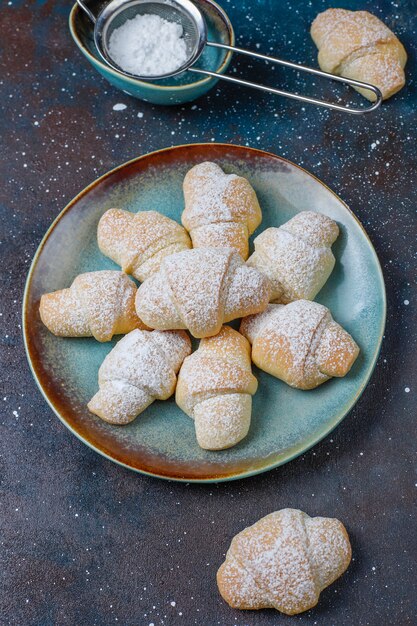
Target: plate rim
column 223, row 478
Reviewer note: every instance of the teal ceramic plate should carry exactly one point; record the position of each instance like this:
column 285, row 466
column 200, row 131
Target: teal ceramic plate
column 161, row 442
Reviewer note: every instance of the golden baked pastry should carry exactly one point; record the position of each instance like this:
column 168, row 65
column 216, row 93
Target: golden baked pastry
column 221, row 210
column 141, row 368
column 296, row 257
column 356, row 44
column 201, row 289
column 215, row 388
column 284, row 562
column 98, row 304
column 138, row 242
column 300, row 343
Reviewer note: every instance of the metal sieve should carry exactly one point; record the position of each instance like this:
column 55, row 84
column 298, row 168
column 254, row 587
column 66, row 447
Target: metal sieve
column 185, row 13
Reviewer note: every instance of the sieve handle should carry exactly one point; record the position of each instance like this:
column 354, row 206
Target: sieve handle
column 86, row 10
column 289, row 94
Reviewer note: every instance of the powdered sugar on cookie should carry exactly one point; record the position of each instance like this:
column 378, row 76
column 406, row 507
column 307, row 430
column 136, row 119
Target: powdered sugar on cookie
column 220, row 209
column 300, row 343
column 141, row 367
column 199, row 290
column 214, row 388
column 297, row 256
column 140, row 241
column 98, row 304
column 284, row 561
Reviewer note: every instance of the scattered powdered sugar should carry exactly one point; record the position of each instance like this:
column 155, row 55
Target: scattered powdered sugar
column 175, row 344
column 248, row 290
column 196, row 281
column 205, row 188
column 315, row 228
column 222, row 235
column 155, row 303
column 299, row 267
column 148, row 45
column 63, row 314
column 251, row 325
column 284, row 561
column 383, row 70
column 141, row 358
column 336, row 350
column 330, row 550
column 298, row 327
column 119, row 402
column 139, row 361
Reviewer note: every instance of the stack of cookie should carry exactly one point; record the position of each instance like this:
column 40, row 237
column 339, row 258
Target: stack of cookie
column 197, row 278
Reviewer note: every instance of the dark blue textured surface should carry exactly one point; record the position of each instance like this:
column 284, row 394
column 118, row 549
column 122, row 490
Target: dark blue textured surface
column 85, row 542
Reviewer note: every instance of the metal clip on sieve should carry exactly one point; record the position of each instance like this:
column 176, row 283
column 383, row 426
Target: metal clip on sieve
column 184, row 12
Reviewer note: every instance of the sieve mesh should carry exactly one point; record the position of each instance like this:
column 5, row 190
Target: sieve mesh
column 166, row 9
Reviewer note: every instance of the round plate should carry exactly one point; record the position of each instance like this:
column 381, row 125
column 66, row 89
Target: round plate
column 161, row 441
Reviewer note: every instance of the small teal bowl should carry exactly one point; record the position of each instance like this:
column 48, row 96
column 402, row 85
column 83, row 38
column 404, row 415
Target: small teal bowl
column 169, row 91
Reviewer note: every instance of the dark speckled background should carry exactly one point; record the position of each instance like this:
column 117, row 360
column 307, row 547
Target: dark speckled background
column 85, row 542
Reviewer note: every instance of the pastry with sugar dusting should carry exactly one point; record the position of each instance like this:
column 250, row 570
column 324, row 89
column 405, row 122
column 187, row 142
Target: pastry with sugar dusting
column 98, row 304
column 300, row 343
column 356, row 44
column 221, row 210
column 215, row 388
column 284, row 562
column 201, row 289
column 296, row 257
column 141, row 368
column 138, row 242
